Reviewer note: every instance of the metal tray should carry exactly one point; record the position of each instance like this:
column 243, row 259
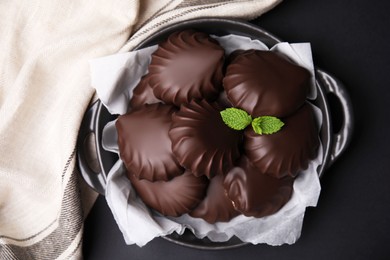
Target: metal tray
column 328, row 87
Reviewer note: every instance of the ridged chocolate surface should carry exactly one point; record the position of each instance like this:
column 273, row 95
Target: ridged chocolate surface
column 216, row 206
column 265, row 83
column 288, row 151
column 143, row 94
column 254, row 193
column 174, row 197
column 144, row 144
column 201, row 141
column 188, row 65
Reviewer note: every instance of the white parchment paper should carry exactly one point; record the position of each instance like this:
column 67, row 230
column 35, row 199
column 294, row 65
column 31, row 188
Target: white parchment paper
column 114, row 78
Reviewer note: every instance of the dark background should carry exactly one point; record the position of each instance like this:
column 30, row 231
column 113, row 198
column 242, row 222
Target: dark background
column 351, row 40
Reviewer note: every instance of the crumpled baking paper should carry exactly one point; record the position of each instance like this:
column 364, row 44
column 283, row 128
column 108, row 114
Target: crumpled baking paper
column 114, row 78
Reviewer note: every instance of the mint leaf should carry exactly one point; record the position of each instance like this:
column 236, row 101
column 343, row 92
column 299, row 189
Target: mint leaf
column 236, row 118
column 266, row 125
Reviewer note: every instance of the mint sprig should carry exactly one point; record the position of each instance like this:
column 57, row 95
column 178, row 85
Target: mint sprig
column 266, row 125
column 236, row 118
column 239, row 119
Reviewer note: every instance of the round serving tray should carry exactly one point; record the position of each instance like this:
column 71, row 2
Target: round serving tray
column 97, row 116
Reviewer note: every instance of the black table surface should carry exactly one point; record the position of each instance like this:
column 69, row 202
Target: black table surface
column 351, row 40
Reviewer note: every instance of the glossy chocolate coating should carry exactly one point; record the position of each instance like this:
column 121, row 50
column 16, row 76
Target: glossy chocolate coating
column 216, row 206
column 188, row 65
column 265, row 83
column 174, row 197
column 144, row 144
column 223, row 100
column 288, row 151
column 143, row 94
column 256, row 194
column 201, row 141
column 234, row 55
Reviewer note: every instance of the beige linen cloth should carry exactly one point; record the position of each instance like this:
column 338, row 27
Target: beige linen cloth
column 45, row 46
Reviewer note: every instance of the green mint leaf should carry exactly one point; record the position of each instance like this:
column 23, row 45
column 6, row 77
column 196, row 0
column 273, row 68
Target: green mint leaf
column 266, row 125
column 236, row 118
